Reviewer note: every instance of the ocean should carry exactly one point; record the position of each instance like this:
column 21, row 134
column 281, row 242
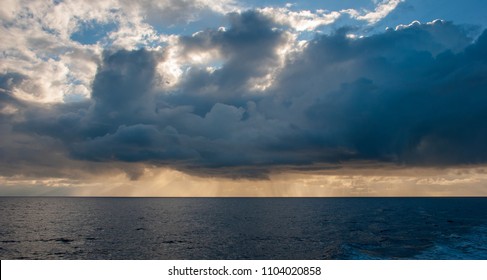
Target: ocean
column 242, row 228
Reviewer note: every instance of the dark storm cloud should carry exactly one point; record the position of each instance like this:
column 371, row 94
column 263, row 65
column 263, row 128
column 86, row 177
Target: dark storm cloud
column 402, row 103
column 248, row 48
column 412, row 96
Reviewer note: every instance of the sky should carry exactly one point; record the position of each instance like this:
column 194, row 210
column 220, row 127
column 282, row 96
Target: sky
column 243, row 98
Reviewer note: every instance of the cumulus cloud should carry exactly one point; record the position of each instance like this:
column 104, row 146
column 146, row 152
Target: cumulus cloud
column 383, row 9
column 57, row 45
column 248, row 99
column 303, row 20
column 42, row 41
column 308, row 20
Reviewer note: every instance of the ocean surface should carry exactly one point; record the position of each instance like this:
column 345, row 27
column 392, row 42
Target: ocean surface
column 242, row 228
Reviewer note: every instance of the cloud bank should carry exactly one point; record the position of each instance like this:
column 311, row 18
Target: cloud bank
column 249, row 99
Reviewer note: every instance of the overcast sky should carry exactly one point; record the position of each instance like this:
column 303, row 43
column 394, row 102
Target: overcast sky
column 243, row 98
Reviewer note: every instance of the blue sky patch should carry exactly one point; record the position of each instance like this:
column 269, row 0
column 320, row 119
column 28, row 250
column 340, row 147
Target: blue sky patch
column 91, row 32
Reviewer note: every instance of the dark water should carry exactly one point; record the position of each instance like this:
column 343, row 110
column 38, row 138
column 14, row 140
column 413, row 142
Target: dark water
column 243, row 228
